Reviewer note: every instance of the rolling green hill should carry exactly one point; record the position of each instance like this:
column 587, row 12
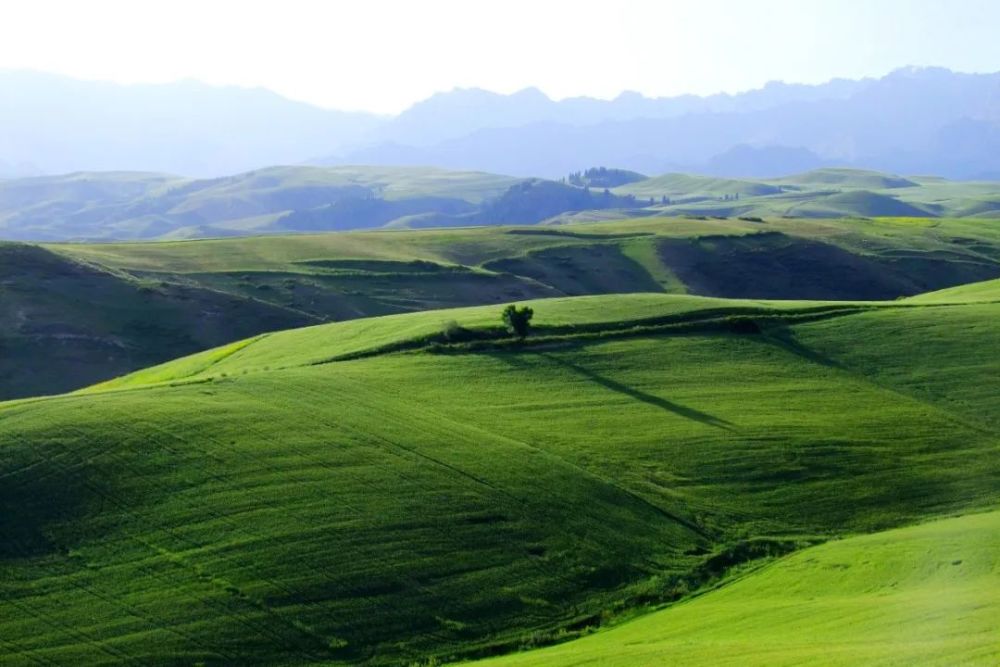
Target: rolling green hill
column 861, row 203
column 919, row 595
column 692, row 188
column 132, row 206
column 822, row 193
column 377, row 491
column 988, row 290
column 66, row 323
column 848, row 178
column 82, row 313
column 277, row 200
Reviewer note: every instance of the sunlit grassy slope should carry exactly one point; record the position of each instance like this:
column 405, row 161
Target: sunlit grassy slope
column 340, row 276
column 987, row 290
column 75, row 314
column 886, row 238
column 312, row 345
column 926, row 595
column 252, row 506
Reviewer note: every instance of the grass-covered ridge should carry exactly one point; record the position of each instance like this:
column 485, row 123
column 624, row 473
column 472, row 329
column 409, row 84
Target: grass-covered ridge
column 565, row 319
column 988, row 290
column 924, row 595
column 265, row 503
column 278, row 282
column 822, row 193
column 123, row 205
column 66, row 323
column 282, row 199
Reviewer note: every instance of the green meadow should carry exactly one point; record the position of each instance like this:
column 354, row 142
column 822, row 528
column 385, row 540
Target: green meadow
column 767, row 440
column 72, row 315
column 404, row 490
column 359, row 415
column 925, row 594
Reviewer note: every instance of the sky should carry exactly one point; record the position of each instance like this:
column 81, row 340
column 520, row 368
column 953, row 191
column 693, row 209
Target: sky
column 384, row 55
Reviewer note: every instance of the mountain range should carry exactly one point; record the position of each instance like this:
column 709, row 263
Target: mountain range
column 914, row 121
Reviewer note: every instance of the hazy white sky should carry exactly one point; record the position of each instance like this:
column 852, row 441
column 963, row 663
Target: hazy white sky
column 383, row 55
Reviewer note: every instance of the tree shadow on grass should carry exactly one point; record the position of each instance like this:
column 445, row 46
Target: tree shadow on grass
column 656, row 401
column 783, row 336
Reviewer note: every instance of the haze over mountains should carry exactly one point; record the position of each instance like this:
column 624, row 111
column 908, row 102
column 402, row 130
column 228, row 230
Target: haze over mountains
column 912, row 121
column 54, row 124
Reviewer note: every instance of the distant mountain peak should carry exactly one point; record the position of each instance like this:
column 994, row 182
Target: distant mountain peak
column 531, row 92
column 629, row 96
column 921, row 72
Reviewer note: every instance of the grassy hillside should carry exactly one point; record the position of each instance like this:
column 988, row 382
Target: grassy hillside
column 934, row 253
column 988, row 290
column 858, row 203
column 822, row 193
column 919, row 595
column 369, row 491
column 275, row 200
column 126, row 205
column 687, row 187
column 848, row 178
column 91, row 300
column 65, row 323
column 777, row 258
column 319, row 344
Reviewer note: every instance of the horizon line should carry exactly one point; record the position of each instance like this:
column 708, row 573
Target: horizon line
column 531, row 88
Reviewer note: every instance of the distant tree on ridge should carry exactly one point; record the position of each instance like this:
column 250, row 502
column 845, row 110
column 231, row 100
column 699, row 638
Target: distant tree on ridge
column 517, row 320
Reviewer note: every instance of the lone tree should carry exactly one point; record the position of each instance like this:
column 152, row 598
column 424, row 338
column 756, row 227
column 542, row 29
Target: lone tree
column 517, row 320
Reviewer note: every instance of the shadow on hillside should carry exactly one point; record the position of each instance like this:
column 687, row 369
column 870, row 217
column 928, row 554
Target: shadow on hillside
column 656, row 401
column 36, row 496
column 784, row 337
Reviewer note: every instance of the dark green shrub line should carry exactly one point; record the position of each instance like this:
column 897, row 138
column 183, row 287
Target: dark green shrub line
column 725, row 325
column 349, row 274
column 578, row 235
column 457, row 340
column 705, row 315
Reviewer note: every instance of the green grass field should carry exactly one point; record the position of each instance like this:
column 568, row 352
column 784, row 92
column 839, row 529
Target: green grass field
column 81, row 313
column 988, row 290
column 700, row 399
column 923, row 595
column 908, row 244
column 367, row 492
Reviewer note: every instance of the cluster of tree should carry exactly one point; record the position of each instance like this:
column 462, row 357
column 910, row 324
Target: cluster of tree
column 602, row 177
column 517, row 320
